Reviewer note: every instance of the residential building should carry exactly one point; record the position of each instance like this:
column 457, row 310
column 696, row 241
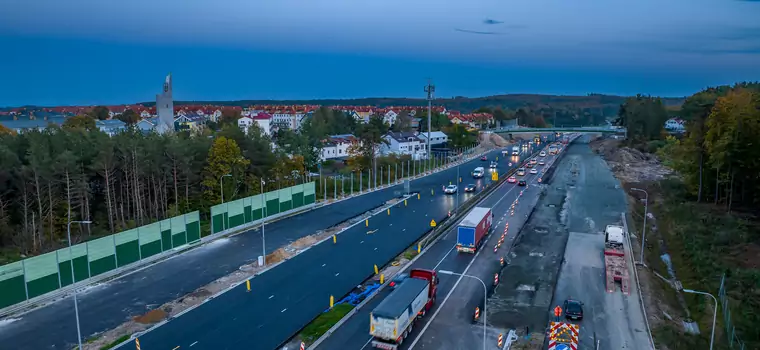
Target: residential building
column 436, row 138
column 675, row 124
column 189, row 121
column 263, row 120
column 404, row 143
column 390, row 117
column 147, row 125
column 337, row 146
column 111, row 127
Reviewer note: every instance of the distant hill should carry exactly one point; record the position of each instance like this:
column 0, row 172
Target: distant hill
column 593, row 102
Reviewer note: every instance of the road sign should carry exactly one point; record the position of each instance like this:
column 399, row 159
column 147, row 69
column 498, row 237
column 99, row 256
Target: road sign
column 562, row 347
column 494, row 176
column 432, row 223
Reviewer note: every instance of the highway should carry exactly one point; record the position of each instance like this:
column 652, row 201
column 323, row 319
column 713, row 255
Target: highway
column 354, row 333
column 285, row 299
column 105, row 306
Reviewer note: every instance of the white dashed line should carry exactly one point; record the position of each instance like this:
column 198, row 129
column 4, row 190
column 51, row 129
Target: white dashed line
column 323, row 265
column 336, row 275
column 271, row 296
column 196, row 342
column 283, row 310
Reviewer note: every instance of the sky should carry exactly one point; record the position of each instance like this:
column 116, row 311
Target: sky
column 87, row 52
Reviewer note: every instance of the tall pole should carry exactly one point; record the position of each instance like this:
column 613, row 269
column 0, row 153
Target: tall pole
column 74, row 280
column 456, row 209
column 430, row 90
column 644, row 230
column 221, row 189
column 263, row 219
column 485, row 300
column 715, row 312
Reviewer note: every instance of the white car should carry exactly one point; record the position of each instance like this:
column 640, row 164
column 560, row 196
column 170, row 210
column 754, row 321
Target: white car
column 542, row 154
column 534, row 171
column 450, row 189
column 541, row 163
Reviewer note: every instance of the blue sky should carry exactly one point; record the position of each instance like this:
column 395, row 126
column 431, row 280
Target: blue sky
column 112, row 52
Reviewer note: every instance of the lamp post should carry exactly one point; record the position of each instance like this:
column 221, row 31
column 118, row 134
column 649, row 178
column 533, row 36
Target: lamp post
column 715, row 312
column 221, row 189
column 263, row 219
column 485, row 296
column 73, row 278
column 644, row 230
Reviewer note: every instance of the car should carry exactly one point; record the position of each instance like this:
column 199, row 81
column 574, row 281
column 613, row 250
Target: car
column 397, row 280
column 542, row 163
column 494, row 165
column 573, row 309
column 542, row 154
column 512, row 179
column 484, row 158
column 450, row 189
column 529, row 165
column 522, row 183
column 470, row 188
column 533, row 161
column 521, row 172
column 534, row 171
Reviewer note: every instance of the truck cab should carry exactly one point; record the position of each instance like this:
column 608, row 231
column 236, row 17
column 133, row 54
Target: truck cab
column 515, row 150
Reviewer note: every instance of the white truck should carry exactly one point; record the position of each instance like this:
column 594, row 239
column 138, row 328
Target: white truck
column 515, row 150
column 393, row 319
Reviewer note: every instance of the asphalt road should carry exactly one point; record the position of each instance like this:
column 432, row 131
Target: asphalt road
column 285, row 299
column 595, row 201
column 106, row 306
column 354, row 333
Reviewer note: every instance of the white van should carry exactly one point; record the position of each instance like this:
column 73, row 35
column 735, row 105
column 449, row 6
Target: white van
column 521, row 172
column 478, row 172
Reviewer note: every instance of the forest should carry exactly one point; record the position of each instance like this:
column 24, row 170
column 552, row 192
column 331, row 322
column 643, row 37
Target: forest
column 75, row 172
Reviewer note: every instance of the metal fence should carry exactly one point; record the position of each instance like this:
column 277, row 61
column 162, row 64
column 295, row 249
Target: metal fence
column 733, row 339
column 29, row 278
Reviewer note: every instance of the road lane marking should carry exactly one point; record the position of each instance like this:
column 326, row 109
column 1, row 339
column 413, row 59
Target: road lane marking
column 336, row 275
column 196, row 342
column 283, row 310
column 271, row 296
column 444, row 257
column 367, row 343
column 323, row 265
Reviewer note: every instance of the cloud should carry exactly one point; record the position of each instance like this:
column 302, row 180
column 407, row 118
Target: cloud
column 476, row 32
column 493, row 21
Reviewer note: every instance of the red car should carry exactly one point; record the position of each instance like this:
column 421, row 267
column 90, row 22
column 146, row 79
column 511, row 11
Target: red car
column 484, row 158
column 512, row 179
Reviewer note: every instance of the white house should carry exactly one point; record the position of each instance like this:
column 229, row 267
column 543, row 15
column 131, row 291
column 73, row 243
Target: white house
column 390, row 117
column 337, row 146
column 675, row 124
column 404, row 143
column 436, row 138
column 263, row 120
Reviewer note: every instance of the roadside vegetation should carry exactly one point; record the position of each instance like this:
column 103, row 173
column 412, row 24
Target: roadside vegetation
column 705, row 214
column 324, row 322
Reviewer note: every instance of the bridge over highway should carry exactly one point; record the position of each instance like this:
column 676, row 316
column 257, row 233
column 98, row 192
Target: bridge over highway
column 582, row 129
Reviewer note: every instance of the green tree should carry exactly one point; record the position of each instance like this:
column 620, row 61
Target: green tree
column 229, row 117
column 644, row 117
column 224, row 158
column 129, row 117
column 460, row 137
column 99, row 113
column 80, row 122
column 371, row 136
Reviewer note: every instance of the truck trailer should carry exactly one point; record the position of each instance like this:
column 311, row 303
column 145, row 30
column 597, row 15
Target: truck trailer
column 472, row 229
column 393, row 319
column 615, row 266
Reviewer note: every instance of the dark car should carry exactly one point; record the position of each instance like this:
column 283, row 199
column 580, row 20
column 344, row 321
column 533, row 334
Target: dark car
column 484, row 158
column 470, row 188
column 573, row 309
column 398, row 279
column 522, row 183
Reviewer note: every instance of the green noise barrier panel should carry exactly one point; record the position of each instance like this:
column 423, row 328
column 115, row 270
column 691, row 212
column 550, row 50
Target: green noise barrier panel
column 32, row 277
column 246, row 210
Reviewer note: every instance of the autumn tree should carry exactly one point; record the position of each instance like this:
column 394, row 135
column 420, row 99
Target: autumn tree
column 224, row 158
column 99, row 113
column 129, row 117
column 5, row 130
column 82, row 122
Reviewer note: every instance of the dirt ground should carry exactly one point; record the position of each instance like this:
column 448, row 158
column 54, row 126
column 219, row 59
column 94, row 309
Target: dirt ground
column 171, row 309
column 636, row 169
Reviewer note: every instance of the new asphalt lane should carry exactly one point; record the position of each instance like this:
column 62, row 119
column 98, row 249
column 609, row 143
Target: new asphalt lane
column 285, row 299
column 107, row 305
column 354, row 333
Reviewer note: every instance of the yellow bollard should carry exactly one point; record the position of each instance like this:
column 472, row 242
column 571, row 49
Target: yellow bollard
column 332, row 301
column 404, row 202
column 366, row 222
column 449, row 183
column 376, row 270
column 335, row 239
column 419, row 248
column 248, row 285
column 382, row 279
column 389, row 211
column 460, row 179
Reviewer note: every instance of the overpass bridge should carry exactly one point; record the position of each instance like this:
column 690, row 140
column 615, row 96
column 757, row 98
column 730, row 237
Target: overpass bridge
column 582, row 129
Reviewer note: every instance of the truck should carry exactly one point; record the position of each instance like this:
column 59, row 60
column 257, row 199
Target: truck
column 553, row 149
column 393, row 319
column 515, row 150
column 615, row 266
column 472, row 229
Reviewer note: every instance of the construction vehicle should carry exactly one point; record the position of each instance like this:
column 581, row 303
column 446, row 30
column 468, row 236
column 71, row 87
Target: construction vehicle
column 394, row 318
column 473, row 228
column 616, row 268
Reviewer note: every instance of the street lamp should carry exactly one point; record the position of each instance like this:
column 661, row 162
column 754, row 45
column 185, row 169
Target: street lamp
column 644, row 230
column 221, row 189
column 74, row 279
column 715, row 312
column 263, row 219
column 485, row 297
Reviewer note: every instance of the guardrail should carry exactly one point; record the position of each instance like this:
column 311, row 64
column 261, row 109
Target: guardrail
column 636, row 276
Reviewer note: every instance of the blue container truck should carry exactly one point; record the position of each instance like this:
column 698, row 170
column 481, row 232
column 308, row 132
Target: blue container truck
column 472, row 229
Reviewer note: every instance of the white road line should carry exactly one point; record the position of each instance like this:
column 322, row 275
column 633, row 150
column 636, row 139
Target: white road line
column 283, row 310
column 444, row 257
column 440, row 306
column 336, row 275
column 271, row 296
column 196, row 342
column 323, row 265
column 367, row 343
